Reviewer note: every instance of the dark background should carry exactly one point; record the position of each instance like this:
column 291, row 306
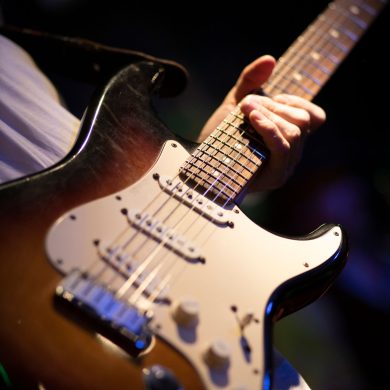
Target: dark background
column 344, row 177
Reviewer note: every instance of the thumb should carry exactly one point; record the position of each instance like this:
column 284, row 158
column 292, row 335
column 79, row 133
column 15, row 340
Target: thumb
column 252, row 77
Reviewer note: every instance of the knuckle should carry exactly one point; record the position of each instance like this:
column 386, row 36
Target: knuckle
column 267, row 102
column 293, row 132
column 284, row 147
column 304, row 119
column 321, row 115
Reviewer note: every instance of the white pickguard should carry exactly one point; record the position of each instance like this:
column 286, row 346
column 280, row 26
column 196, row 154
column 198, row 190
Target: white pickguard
column 244, row 264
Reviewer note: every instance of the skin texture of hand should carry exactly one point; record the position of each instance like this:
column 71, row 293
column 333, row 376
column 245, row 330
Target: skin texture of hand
column 283, row 121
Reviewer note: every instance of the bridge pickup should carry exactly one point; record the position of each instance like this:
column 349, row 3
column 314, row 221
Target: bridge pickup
column 115, row 318
column 194, row 200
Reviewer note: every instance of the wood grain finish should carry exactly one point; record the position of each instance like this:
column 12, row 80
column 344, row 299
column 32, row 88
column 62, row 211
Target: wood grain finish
column 39, row 344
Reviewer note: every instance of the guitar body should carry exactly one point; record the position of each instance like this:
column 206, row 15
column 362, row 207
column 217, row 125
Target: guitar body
column 215, row 296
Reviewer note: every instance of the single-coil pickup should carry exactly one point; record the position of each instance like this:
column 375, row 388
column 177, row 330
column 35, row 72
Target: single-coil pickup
column 194, row 200
column 164, row 234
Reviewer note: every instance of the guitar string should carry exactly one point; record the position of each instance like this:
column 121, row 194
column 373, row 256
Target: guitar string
column 108, row 248
column 291, row 55
column 329, row 46
column 136, row 233
column 302, row 46
column 134, row 276
column 138, row 293
column 172, row 270
column 189, row 177
column 313, row 37
column 167, row 279
column 145, row 264
column 343, row 16
column 286, row 88
column 225, row 184
column 330, row 21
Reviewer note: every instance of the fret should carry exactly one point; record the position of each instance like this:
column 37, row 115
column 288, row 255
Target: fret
column 235, row 162
column 240, row 151
column 213, row 188
column 229, row 156
column 358, row 24
column 238, row 145
column 239, row 139
column 219, row 164
column 240, row 115
column 227, row 162
column 313, row 66
column 232, row 154
column 250, row 133
column 321, row 48
column 208, row 169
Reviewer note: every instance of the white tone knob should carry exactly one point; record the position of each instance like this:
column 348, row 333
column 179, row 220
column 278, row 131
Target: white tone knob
column 186, row 312
column 218, row 355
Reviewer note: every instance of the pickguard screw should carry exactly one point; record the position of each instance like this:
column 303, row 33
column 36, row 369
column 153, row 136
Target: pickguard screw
column 173, row 145
column 156, row 176
column 306, row 265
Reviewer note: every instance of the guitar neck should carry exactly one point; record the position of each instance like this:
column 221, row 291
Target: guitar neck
column 315, row 55
column 223, row 165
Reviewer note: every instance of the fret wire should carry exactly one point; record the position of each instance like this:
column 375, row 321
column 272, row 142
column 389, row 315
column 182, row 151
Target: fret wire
column 191, row 172
column 365, row 16
column 333, row 47
column 237, row 127
column 248, row 146
column 325, row 21
column 223, row 163
column 235, row 161
column 307, row 42
column 211, row 179
column 318, row 76
column 246, row 157
column 232, row 149
column 306, row 39
column 328, row 20
column 215, row 169
column 367, row 8
column 220, row 164
column 238, row 116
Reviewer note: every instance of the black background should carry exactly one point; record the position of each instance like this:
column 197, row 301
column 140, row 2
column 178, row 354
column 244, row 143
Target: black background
column 344, row 176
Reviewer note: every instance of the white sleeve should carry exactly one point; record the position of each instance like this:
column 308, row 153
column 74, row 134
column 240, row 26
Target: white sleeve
column 36, row 131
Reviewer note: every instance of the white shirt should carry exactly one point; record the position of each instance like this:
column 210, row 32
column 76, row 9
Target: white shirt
column 36, row 130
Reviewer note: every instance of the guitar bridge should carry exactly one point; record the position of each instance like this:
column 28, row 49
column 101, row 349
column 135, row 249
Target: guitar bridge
column 114, row 318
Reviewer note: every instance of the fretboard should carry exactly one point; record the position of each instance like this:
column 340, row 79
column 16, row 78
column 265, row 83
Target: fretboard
column 315, row 55
column 227, row 160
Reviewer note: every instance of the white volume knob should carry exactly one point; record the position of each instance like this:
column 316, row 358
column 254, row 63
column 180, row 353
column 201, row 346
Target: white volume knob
column 218, row 355
column 187, row 312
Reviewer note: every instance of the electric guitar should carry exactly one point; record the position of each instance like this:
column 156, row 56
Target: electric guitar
column 130, row 265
